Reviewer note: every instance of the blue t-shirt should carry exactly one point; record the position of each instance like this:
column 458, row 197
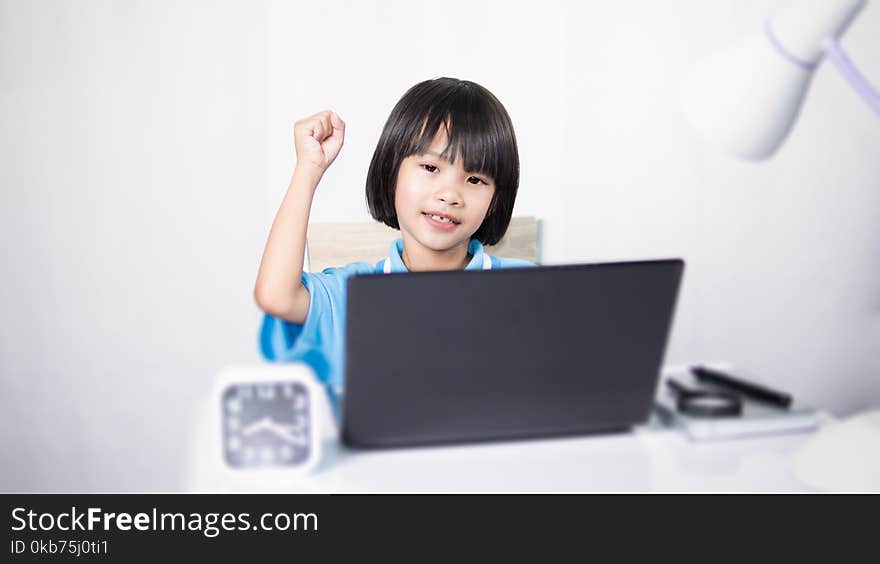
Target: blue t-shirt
column 319, row 341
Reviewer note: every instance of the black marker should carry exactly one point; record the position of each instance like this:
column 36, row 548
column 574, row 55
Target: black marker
column 748, row 389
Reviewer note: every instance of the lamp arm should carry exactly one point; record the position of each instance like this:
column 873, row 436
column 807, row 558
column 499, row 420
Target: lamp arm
column 846, row 67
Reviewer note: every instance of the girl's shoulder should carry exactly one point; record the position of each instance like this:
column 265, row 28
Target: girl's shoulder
column 347, row 270
column 501, row 262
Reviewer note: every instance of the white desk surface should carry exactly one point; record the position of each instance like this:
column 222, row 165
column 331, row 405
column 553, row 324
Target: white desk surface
column 649, row 459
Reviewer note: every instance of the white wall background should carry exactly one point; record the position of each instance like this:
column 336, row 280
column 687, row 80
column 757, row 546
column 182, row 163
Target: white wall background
column 146, row 146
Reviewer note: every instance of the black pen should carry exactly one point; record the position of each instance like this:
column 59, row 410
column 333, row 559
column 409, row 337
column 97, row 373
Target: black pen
column 748, row 389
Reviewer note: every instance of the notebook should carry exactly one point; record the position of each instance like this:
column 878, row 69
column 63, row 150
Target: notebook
column 757, row 418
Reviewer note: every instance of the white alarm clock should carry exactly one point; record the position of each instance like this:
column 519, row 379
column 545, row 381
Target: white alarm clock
column 271, row 417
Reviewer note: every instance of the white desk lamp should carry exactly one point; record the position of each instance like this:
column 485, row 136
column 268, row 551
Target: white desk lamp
column 746, row 98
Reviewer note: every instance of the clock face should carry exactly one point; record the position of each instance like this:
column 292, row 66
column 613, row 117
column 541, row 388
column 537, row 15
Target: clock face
column 266, row 424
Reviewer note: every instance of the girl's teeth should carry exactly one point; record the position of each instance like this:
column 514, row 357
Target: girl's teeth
column 443, row 219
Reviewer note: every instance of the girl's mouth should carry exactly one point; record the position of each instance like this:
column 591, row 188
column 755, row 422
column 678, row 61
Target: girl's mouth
column 439, row 221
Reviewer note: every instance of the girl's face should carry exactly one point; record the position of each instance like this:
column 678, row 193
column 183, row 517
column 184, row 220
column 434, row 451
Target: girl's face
column 439, row 205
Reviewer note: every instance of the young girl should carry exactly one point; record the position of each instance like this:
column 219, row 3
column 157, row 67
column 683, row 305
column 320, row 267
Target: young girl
column 445, row 173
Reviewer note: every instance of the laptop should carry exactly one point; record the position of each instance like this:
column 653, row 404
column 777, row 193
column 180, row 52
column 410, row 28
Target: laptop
column 457, row 356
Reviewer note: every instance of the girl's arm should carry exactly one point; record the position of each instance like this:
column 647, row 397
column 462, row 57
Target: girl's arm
column 279, row 290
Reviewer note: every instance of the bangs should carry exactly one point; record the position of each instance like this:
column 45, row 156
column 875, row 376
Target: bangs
column 473, row 134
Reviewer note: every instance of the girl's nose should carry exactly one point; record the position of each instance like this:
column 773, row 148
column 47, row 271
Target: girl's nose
column 449, row 197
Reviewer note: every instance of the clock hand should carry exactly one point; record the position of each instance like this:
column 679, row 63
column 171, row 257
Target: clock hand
column 257, row 426
column 290, row 433
column 293, row 433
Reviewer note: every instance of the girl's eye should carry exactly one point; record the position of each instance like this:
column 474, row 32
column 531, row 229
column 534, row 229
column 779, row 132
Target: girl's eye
column 471, row 179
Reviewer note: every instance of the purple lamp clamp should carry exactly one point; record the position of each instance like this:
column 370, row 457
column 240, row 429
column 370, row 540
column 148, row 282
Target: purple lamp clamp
column 831, row 47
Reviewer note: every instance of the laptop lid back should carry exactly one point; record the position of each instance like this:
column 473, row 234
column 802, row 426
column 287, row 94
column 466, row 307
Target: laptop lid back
column 436, row 357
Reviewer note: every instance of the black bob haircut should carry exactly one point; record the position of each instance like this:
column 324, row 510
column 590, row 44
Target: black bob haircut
column 478, row 130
